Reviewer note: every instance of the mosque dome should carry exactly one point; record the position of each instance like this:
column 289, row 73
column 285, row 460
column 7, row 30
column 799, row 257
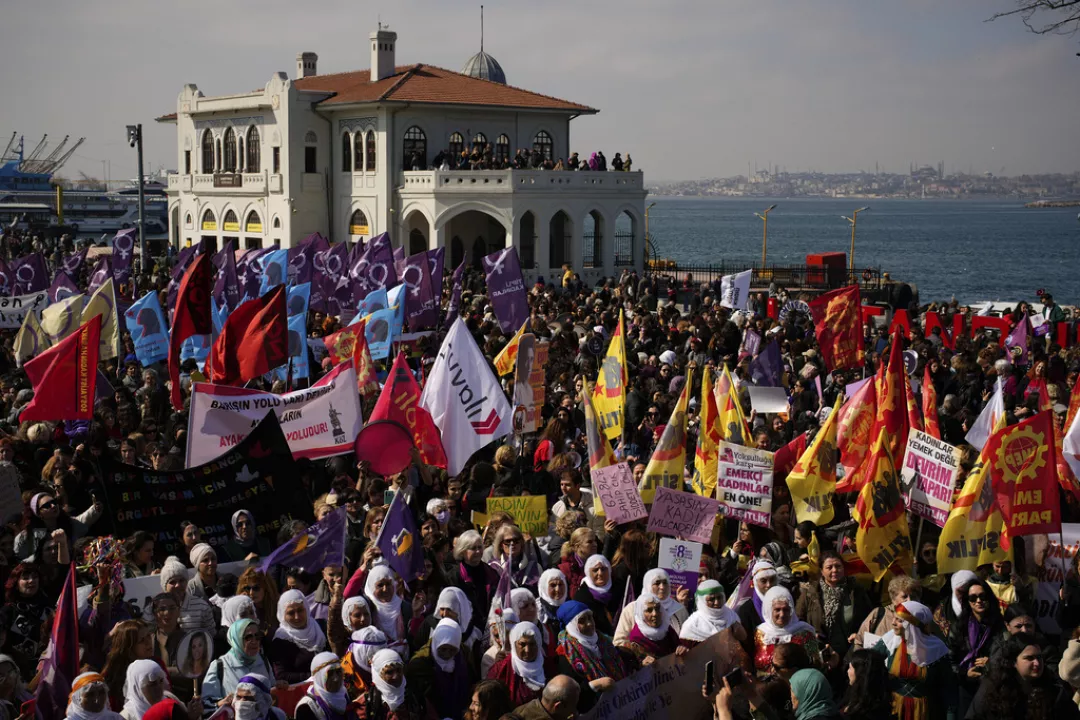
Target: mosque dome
column 483, row 66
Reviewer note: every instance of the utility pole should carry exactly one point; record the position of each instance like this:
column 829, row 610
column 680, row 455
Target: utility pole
column 134, row 133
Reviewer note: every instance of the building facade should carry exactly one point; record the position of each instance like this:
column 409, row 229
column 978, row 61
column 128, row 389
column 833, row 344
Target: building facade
column 352, row 155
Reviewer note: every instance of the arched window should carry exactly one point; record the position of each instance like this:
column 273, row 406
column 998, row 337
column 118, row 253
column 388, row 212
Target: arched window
column 371, row 156
column 457, row 144
column 253, row 223
column 414, row 149
column 417, row 241
column 346, row 152
column 229, row 223
column 502, row 149
column 542, row 142
column 207, row 152
column 217, row 157
column 358, row 152
column 277, row 223
column 230, row 150
column 559, row 240
column 254, row 150
column 209, row 222
column 240, row 154
column 624, row 239
column 479, row 140
column 310, row 137
column 592, row 238
column 358, row 224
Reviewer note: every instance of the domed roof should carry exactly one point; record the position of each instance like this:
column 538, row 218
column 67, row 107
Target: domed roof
column 483, row 66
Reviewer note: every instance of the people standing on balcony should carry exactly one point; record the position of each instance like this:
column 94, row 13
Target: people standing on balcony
column 573, row 162
column 616, row 163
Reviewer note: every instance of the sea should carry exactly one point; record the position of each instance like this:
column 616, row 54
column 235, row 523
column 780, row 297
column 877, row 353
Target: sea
column 973, row 250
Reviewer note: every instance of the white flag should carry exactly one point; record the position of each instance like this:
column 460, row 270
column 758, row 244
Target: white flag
column 984, row 426
column 735, row 290
column 465, row 399
column 1070, row 445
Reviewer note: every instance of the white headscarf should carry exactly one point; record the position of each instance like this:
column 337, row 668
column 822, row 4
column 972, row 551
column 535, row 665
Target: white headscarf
column 592, row 562
column 959, row 579
column 321, row 665
column 655, row 634
column 520, row 598
column 447, row 632
column 531, row 672
column 347, row 608
column 706, row 621
column 138, row 673
column 233, row 608
column 923, row 648
column 198, row 553
column 774, row 634
column 387, row 614
column 545, row 577
column 75, row 709
column 310, row 637
column 455, row 599
column 589, row 642
column 392, row 696
column 670, row 603
column 365, row 643
column 762, row 569
column 260, row 686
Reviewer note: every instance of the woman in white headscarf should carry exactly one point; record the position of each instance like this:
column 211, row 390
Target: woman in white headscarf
column 145, row 685
column 598, row 595
column 780, row 625
column 89, row 699
column 388, row 698
column 712, row 616
column 763, row 578
column 253, row 701
column 918, row 662
column 525, row 670
column 441, row 670
column 658, row 582
column 652, row 636
column 380, row 589
column 326, row 698
column 296, row 641
column 948, row 611
column 237, row 607
column 498, row 622
column 454, row 604
column 356, row 663
column 355, row 615
column 553, row 593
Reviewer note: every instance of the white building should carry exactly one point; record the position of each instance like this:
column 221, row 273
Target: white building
column 336, row 154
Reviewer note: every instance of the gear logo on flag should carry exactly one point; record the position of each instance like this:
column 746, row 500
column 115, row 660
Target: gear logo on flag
column 1018, row 455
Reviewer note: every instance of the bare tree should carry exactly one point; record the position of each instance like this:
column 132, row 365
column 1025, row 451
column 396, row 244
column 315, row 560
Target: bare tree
column 1044, row 17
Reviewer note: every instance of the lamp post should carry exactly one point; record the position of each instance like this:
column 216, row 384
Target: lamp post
column 647, row 240
column 765, row 233
column 134, row 134
column 854, row 217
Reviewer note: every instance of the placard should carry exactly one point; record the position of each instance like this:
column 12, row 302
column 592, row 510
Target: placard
column 683, row 514
column 618, row 493
column 768, row 399
column 530, row 512
column 682, row 560
column 929, row 476
column 1059, row 557
column 744, row 483
column 13, row 310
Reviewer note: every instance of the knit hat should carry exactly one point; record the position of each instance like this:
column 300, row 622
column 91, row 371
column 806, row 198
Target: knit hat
column 570, row 610
column 172, row 568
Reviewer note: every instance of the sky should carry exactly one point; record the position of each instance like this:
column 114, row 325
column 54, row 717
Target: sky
column 690, row 88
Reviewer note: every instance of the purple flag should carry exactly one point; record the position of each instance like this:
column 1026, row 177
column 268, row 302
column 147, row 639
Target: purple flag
column 5, row 278
column 73, row 263
column 29, row 275
column 123, row 252
column 455, row 295
column 249, row 273
column 399, row 261
column 60, row 663
column 374, row 269
column 437, row 260
column 320, row 545
column 331, row 291
column 102, row 272
column 420, row 307
column 745, row 589
column 506, row 289
column 1017, row 342
column 765, row 369
column 183, row 259
column 227, row 286
column 62, row 287
column 302, row 258
column 218, row 260
column 503, row 591
column 399, row 541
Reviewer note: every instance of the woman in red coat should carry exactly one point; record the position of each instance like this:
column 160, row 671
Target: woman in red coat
column 525, row 670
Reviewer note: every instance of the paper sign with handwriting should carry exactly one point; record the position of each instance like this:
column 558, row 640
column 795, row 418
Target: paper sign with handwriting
column 744, row 483
column 530, row 512
column 618, row 493
column 683, row 514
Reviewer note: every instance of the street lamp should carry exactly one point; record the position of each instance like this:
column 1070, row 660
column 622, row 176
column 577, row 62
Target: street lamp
column 854, row 217
column 765, row 235
column 134, row 135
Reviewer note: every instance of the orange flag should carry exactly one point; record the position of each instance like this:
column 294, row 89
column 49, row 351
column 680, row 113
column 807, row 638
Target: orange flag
column 366, row 380
column 838, row 327
column 855, row 419
column 929, row 405
column 339, row 345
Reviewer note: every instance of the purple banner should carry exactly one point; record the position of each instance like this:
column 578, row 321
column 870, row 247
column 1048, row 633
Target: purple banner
column 102, row 273
column 374, row 269
column 62, row 287
column 506, row 289
column 123, row 252
column 302, row 258
column 73, row 263
column 399, row 261
column 420, row 308
column 227, row 286
column 436, row 261
column 454, row 304
column 331, row 292
column 249, row 273
column 29, row 275
column 5, row 278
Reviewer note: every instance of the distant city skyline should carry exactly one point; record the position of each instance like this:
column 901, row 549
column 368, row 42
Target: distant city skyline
column 690, row 88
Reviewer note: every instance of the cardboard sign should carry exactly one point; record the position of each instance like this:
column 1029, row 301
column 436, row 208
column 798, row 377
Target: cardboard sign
column 682, row 560
column 768, row 399
column 530, row 512
column 683, row 514
column 929, row 476
column 618, row 493
column 744, row 483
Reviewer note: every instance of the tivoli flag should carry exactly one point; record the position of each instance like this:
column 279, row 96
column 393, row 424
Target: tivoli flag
column 668, row 461
column 1023, row 474
column 813, row 480
column 609, row 395
column 340, row 345
column 64, row 377
column 253, row 341
column 399, row 402
column 707, row 454
column 191, row 317
column 506, row 360
column 882, row 537
column 929, row 405
column 838, row 327
column 853, row 433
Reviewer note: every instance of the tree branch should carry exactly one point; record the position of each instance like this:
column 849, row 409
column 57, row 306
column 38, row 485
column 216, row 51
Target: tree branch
column 1044, row 17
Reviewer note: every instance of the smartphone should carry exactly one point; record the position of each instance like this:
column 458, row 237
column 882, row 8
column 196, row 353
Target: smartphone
column 29, row 708
column 734, row 678
column 710, row 678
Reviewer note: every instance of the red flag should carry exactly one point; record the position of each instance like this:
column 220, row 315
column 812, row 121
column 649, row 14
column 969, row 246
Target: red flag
column 915, row 420
column 1066, row 477
column 64, row 377
column 191, row 317
column 1024, row 477
column 929, row 405
column 253, row 341
column 1074, row 404
column 838, row 327
column 892, row 410
column 367, row 382
column 786, row 457
column 60, row 663
column 341, row 345
column 854, row 423
column 400, row 402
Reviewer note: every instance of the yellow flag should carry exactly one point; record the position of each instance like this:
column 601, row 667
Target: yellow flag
column 103, row 302
column 732, row 421
column 707, row 453
column 812, row 481
column 63, row 318
column 31, row 339
column 882, row 538
column 506, row 360
column 668, row 461
column 972, row 533
column 600, row 453
column 609, row 396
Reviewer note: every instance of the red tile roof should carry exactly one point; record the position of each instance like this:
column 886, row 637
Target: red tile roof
column 429, row 84
column 171, row 117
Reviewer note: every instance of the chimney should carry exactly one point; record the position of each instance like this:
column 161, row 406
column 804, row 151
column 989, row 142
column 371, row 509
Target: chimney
column 305, row 65
column 382, row 53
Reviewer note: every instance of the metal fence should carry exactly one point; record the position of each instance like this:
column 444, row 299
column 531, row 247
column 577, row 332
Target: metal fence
column 785, row 276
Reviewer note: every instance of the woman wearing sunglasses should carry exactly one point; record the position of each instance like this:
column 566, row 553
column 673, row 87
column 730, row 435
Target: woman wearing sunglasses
column 973, row 638
column 44, row 516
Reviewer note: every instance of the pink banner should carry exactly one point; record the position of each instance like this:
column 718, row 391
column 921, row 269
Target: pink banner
column 683, row 515
column 618, row 493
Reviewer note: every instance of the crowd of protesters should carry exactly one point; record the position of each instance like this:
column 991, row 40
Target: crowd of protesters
column 812, row 640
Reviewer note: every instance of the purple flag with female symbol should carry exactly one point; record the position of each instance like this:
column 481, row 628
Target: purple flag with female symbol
column 5, row 278
column 420, row 307
column 73, row 263
column 400, row 542
column 436, row 261
column 29, row 275
column 1017, row 342
column 123, row 251
column 321, row 545
column 102, row 273
column 302, row 258
column 766, row 368
column 506, row 289
column 249, row 273
column 374, row 269
column 331, row 291
column 454, row 305
column 62, row 287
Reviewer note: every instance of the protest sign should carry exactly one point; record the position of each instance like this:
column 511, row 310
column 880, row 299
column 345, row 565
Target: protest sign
column 13, row 310
column 683, row 514
column 682, row 560
column 744, row 483
column 768, row 399
column 928, row 476
column 258, row 474
column 318, row 422
column 535, row 389
column 530, row 512
column 1059, row 558
column 615, row 487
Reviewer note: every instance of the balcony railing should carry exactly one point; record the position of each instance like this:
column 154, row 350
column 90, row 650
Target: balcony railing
column 521, row 181
column 220, row 183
